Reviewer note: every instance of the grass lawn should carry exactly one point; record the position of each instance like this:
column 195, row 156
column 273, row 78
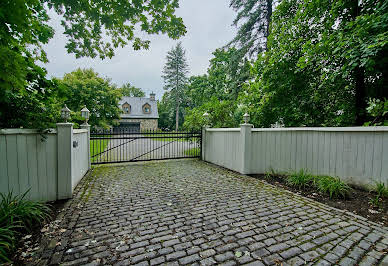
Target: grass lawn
column 97, row 146
column 193, row 152
column 170, row 137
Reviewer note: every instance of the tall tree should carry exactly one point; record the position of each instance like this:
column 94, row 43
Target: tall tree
column 175, row 78
column 94, row 28
column 131, row 91
column 253, row 21
column 323, row 61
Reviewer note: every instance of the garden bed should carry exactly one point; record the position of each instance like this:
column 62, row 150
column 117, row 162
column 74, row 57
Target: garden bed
column 358, row 201
column 28, row 244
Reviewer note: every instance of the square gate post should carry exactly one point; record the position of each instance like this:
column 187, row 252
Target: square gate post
column 65, row 160
column 87, row 127
column 246, row 146
column 203, row 143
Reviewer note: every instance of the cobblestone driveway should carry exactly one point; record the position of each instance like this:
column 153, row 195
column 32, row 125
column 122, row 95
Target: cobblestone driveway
column 190, row 212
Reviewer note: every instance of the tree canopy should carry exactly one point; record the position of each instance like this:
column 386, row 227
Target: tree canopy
column 84, row 87
column 253, row 22
column 324, row 60
column 131, row 91
column 318, row 63
column 93, row 28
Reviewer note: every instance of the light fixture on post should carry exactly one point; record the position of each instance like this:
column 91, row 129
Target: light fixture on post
column 246, row 118
column 85, row 113
column 65, row 113
column 206, row 116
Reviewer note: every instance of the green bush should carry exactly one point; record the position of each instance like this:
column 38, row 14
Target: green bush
column 332, row 186
column 328, row 185
column 301, row 179
column 382, row 192
column 18, row 216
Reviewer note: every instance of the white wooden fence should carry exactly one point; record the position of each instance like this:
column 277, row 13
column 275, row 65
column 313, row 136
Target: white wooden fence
column 358, row 155
column 33, row 161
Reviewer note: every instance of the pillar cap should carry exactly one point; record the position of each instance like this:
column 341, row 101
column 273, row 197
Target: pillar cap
column 65, row 124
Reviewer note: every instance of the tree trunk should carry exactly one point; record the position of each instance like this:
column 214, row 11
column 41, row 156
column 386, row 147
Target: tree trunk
column 177, row 117
column 360, row 101
column 268, row 21
column 359, row 77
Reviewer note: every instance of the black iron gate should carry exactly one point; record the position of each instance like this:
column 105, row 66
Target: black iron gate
column 129, row 145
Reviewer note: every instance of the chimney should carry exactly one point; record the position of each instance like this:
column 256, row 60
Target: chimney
column 152, row 96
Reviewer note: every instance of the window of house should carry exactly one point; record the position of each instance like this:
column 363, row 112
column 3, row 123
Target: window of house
column 126, row 108
column 147, row 108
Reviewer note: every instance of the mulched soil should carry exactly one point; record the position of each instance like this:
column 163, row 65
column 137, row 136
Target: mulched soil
column 358, row 201
column 30, row 242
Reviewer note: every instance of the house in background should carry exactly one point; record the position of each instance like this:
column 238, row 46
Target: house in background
column 138, row 113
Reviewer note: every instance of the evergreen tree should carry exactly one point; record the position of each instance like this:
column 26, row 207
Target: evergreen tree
column 253, row 21
column 175, row 77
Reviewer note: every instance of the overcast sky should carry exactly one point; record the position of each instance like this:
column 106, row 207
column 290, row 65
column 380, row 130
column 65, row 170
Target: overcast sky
column 208, row 24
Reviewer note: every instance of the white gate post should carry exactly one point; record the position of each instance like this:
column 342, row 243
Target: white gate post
column 87, row 127
column 203, row 144
column 65, row 158
column 246, row 145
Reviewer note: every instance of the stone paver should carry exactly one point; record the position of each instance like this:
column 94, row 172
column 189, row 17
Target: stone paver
column 190, row 212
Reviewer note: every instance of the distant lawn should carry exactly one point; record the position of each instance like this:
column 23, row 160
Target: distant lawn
column 193, row 152
column 97, row 146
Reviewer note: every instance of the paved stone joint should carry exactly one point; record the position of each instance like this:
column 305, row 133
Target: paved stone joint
column 190, row 212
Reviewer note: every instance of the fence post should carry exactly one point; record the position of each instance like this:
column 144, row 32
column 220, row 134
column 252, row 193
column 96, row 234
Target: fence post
column 65, row 158
column 203, row 143
column 87, row 127
column 245, row 138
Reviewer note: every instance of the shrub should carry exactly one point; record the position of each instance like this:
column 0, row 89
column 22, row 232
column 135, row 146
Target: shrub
column 332, row 186
column 382, row 192
column 300, row 179
column 17, row 216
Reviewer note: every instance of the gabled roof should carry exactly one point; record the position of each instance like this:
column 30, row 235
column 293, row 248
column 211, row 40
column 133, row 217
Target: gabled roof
column 137, row 104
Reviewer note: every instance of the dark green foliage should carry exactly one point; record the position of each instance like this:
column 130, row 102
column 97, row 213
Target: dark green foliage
column 131, row 91
column 7, row 242
column 27, row 97
column 332, row 186
column 382, row 190
column 167, row 113
column 222, row 114
column 382, row 193
column 324, row 60
column 253, row 22
column 17, row 216
column 116, row 21
column 327, row 185
column 217, row 92
column 85, row 87
column 301, row 179
column 378, row 110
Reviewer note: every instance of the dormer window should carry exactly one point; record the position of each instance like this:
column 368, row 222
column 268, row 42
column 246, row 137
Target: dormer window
column 147, row 108
column 126, row 108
